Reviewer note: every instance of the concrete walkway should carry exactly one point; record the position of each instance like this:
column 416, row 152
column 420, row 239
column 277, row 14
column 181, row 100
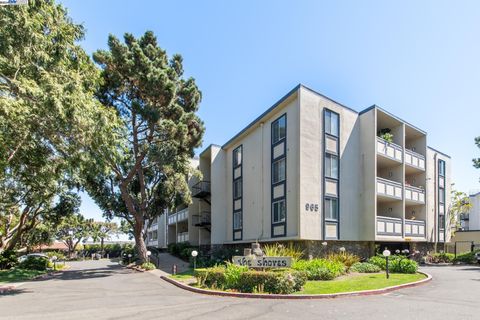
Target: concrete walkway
column 166, row 262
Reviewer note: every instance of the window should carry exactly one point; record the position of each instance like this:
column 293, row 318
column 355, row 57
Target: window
column 279, row 129
column 331, row 166
column 279, row 211
column 237, row 189
column 237, row 220
column 441, row 221
column 441, row 168
column 237, row 157
column 331, row 123
column 278, row 171
column 441, row 195
column 154, row 235
column 331, row 209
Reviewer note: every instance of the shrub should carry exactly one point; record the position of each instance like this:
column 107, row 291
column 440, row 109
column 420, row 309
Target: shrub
column 365, row 267
column 35, row 263
column 319, row 269
column 211, row 277
column 280, row 250
column 397, row 264
column 441, row 258
column 8, row 259
column 232, row 275
column 240, row 278
column 148, row 266
column 286, row 282
column 468, row 257
column 347, row 259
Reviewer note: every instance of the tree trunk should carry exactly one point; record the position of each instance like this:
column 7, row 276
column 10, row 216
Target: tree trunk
column 141, row 248
column 101, row 247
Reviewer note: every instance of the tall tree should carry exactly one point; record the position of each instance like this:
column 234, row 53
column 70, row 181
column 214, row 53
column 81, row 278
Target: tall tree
column 476, row 161
column 103, row 230
column 48, row 113
column 160, row 130
column 72, row 230
column 460, row 205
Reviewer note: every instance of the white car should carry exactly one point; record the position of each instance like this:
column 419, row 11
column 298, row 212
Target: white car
column 25, row 257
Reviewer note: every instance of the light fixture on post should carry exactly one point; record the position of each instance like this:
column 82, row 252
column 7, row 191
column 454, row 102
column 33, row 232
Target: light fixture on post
column 386, row 254
column 194, row 255
column 149, row 253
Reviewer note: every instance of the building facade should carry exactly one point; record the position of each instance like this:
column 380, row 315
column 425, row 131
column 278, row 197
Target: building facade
column 312, row 169
column 471, row 220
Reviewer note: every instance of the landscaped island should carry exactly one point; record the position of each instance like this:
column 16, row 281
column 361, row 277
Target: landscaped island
column 334, row 273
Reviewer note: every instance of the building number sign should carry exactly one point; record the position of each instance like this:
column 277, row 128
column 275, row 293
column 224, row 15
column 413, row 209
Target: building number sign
column 311, row 207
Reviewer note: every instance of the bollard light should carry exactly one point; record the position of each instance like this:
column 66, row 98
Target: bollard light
column 149, row 253
column 386, row 254
column 194, row 255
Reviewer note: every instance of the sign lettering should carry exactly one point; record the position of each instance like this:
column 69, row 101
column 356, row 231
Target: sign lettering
column 262, row 262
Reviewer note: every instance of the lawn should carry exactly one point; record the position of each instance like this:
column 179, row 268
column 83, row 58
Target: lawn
column 16, row 275
column 359, row 283
column 183, row 276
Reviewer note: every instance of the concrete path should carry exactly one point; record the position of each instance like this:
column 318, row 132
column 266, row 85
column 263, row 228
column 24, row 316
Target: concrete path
column 166, row 262
column 104, row 290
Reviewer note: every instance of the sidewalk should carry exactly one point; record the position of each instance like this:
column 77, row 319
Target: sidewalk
column 166, row 261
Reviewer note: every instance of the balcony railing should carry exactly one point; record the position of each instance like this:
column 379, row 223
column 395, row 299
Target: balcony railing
column 388, row 226
column 203, row 219
column 389, row 188
column 389, row 149
column 179, row 216
column 414, row 159
column 414, row 194
column 201, row 189
column 182, row 237
column 414, row 228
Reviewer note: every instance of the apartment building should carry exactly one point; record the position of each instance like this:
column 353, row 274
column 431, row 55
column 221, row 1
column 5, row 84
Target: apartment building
column 310, row 168
column 471, row 220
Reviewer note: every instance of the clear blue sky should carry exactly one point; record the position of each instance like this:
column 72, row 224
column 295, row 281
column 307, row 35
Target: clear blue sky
column 416, row 59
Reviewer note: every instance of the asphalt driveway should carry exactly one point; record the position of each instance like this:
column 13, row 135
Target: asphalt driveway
column 104, row 290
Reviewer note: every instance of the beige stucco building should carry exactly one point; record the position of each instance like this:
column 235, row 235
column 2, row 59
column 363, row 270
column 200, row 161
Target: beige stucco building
column 310, row 168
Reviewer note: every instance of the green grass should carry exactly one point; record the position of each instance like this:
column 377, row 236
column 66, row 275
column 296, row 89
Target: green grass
column 16, row 275
column 359, row 283
column 182, row 276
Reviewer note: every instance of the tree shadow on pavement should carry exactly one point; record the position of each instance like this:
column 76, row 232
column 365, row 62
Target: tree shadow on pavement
column 88, row 273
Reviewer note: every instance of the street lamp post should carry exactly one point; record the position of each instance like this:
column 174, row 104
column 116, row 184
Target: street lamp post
column 129, row 257
column 54, row 259
column 386, row 254
column 194, row 255
column 149, row 253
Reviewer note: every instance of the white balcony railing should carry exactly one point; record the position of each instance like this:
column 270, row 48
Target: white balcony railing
column 389, row 188
column 182, row 237
column 388, row 226
column 388, row 149
column 414, row 228
column 179, row 216
column 414, row 194
column 414, row 159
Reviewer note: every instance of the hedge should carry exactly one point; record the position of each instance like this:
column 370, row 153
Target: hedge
column 320, row 269
column 365, row 267
column 397, row 264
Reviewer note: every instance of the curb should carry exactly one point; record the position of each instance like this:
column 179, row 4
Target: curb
column 300, row 296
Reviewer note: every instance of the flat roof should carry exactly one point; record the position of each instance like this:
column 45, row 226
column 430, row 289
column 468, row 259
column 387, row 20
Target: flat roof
column 442, row 153
column 294, row 91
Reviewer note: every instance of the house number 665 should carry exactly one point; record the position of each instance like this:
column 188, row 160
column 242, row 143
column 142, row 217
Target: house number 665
column 311, row 207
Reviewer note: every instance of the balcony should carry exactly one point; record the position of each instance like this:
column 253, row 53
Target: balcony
column 414, row 159
column 388, row 188
column 388, row 226
column 182, row 237
column 415, row 228
column 389, row 150
column 179, row 216
column 203, row 219
column 201, row 189
column 414, row 194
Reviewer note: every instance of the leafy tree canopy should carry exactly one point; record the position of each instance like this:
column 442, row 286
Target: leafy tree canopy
column 147, row 171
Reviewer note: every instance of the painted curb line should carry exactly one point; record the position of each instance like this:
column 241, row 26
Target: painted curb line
column 299, row 296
